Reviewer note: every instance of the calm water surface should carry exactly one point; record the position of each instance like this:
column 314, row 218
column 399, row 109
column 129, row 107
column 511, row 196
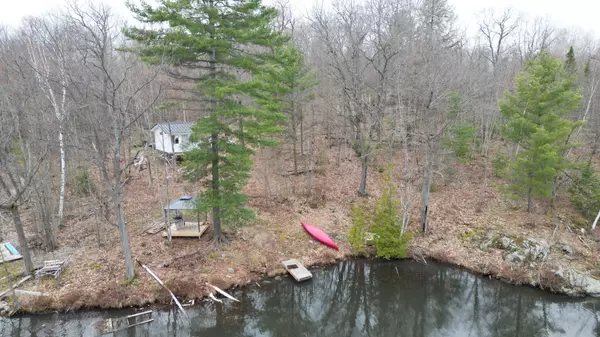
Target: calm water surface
column 356, row 298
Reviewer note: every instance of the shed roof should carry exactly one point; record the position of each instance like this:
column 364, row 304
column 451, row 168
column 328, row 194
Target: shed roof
column 185, row 202
column 176, row 127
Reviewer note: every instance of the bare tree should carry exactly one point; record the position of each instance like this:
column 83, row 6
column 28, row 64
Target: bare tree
column 115, row 81
column 48, row 49
column 495, row 30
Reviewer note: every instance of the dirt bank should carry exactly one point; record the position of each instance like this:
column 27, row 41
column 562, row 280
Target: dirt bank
column 461, row 219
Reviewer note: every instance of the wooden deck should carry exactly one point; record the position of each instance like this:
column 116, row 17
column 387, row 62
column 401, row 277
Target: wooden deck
column 190, row 230
column 297, row 270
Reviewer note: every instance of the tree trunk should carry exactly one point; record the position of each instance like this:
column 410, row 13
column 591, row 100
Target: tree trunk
column 425, row 190
column 63, row 177
column 14, row 211
column 129, row 270
column 242, row 140
column 301, row 132
column 529, row 200
column 362, row 189
column 294, row 140
column 364, row 156
column 216, row 211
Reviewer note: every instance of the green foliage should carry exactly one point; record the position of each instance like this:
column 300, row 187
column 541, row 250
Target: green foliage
column 383, row 221
column 356, row 236
column 570, row 63
column 586, row 69
column 535, row 119
column 459, row 139
column 82, row 184
column 456, row 105
column 500, row 165
column 224, row 39
column 585, row 192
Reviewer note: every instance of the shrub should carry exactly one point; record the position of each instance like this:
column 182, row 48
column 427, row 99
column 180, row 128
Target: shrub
column 459, row 139
column 500, row 165
column 585, row 192
column 383, row 221
column 356, row 236
column 82, row 182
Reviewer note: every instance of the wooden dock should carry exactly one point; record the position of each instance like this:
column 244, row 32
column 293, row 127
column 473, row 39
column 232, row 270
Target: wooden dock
column 189, row 230
column 297, row 270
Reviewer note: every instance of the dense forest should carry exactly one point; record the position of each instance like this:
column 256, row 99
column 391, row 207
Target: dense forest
column 395, row 83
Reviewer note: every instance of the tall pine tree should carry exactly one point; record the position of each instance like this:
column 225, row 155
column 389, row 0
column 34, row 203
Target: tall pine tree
column 225, row 47
column 536, row 116
column 296, row 81
column 570, row 63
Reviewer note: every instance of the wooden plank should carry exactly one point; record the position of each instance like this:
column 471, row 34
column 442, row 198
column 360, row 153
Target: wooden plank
column 139, row 314
column 21, row 281
column 297, row 270
column 188, row 232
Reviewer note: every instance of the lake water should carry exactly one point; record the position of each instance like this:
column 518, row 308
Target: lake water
column 355, row 298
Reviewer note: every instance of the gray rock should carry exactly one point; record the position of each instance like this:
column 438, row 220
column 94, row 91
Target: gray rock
column 578, row 283
column 514, row 258
column 231, row 270
column 567, row 249
column 506, row 243
column 485, row 245
column 535, row 249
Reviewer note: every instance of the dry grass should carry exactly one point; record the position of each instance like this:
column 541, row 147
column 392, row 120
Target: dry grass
column 94, row 275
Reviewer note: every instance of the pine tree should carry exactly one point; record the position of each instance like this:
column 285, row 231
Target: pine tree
column 222, row 42
column 536, row 120
column 570, row 63
column 296, row 81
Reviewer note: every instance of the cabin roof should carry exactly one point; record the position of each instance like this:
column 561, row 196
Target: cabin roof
column 179, row 128
column 185, row 202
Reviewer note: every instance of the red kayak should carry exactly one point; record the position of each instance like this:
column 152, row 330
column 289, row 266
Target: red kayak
column 318, row 234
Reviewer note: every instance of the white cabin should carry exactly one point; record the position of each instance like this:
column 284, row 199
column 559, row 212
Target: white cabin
column 172, row 138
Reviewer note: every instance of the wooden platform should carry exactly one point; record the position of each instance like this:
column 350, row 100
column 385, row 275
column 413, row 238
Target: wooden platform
column 297, row 270
column 188, row 231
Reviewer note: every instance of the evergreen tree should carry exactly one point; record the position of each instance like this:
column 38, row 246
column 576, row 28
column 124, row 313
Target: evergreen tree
column 536, row 120
column 296, row 81
column 570, row 64
column 586, row 69
column 217, row 43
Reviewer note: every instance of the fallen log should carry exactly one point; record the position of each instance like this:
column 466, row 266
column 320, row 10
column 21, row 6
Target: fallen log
column 164, row 286
column 21, row 281
column 27, row 292
column 223, row 293
column 214, row 298
column 300, row 171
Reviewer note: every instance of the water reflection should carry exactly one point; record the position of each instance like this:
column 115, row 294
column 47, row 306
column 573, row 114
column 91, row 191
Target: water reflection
column 357, row 298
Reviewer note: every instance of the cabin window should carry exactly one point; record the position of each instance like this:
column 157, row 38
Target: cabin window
column 175, row 139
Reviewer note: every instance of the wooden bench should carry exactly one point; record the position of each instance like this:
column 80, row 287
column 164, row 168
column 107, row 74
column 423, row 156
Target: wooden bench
column 51, row 268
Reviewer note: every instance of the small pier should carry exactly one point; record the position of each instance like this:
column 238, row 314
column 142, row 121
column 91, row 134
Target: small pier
column 297, row 270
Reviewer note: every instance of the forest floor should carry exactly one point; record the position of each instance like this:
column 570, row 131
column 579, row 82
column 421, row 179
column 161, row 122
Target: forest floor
column 460, row 215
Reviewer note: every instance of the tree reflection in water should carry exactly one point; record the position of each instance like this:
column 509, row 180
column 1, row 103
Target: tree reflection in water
column 358, row 298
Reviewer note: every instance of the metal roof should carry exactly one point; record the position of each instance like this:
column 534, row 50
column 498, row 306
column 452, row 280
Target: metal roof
column 176, row 127
column 185, row 202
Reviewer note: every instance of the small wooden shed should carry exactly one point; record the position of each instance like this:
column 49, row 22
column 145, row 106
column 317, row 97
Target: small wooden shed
column 172, row 138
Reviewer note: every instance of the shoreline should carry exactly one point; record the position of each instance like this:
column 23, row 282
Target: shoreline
column 158, row 303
